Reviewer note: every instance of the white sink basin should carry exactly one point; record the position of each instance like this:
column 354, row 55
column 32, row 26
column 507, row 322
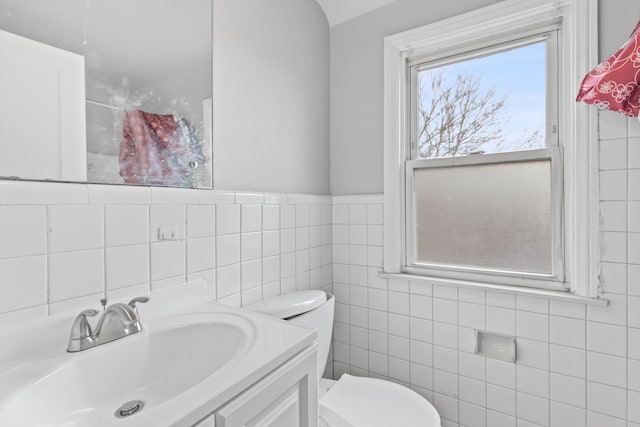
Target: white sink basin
column 169, row 357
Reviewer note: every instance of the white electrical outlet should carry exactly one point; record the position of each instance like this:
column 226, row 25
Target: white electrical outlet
column 168, row 232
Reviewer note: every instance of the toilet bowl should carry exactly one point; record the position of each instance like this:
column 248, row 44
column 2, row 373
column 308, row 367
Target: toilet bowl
column 350, row 401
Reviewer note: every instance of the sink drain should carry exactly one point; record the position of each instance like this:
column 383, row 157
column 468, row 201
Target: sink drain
column 129, row 408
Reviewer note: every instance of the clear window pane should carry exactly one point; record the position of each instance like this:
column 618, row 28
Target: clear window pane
column 489, row 104
column 487, row 216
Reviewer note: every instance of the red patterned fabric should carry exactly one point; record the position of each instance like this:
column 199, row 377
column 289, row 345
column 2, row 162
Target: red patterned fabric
column 158, row 149
column 614, row 83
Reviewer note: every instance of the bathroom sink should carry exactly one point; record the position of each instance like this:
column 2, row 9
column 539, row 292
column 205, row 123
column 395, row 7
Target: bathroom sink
column 169, row 357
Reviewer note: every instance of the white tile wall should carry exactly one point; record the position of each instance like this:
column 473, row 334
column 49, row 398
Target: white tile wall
column 64, row 246
column 577, row 366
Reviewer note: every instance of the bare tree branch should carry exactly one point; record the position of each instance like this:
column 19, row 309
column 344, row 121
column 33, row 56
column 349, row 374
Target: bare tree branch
column 460, row 117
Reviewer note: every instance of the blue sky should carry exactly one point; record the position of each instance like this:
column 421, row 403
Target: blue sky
column 518, row 74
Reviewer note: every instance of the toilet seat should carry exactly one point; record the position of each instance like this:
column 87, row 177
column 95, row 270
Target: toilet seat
column 369, row 402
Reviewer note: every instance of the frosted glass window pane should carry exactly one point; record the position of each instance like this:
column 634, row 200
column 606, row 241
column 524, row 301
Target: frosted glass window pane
column 488, row 216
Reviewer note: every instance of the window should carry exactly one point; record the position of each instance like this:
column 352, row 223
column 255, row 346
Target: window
column 490, row 167
column 479, row 214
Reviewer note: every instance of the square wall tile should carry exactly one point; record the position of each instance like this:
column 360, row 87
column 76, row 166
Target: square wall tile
column 270, row 217
column 302, row 216
column 533, row 408
column 501, row 320
column 270, row 243
column 634, row 184
column 340, row 214
column 634, row 407
column 496, row 419
column 634, row 248
column 533, row 326
column 302, row 238
column 251, row 246
column 472, row 366
column 288, row 242
column 315, row 215
column 419, row 306
column 568, row 332
column 201, row 221
column 501, row 399
column 76, row 274
column 608, row 339
column 227, row 249
column 533, row 353
column 472, row 315
column 569, row 390
column 614, row 277
column 23, row 282
column 607, row 400
column 357, row 214
column 74, row 228
column 473, row 391
column 227, row 219
column 421, row 329
column 23, row 231
column 251, row 274
column 568, row 361
column 613, row 185
column 201, row 254
column 533, row 381
column 607, row 369
column 127, row 266
column 612, row 125
column 168, row 259
column 421, row 352
column 167, row 216
column 634, row 343
column 287, row 216
column 634, row 151
column 613, row 216
column 228, row 280
column 126, row 225
column 634, row 216
column 613, row 154
column 614, row 247
column 444, row 310
column 251, row 218
column 595, row 419
column 501, row 373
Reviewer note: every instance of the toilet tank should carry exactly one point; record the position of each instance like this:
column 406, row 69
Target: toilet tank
column 313, row 309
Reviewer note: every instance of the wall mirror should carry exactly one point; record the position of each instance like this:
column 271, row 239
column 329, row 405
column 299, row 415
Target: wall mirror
column 106, row 91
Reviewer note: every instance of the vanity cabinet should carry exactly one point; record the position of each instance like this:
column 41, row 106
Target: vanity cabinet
column 287, row 397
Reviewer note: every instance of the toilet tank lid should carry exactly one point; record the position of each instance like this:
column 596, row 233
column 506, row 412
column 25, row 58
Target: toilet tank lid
column 288, row 305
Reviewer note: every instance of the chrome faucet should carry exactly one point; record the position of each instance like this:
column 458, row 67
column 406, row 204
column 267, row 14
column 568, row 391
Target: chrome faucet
column 118, row 320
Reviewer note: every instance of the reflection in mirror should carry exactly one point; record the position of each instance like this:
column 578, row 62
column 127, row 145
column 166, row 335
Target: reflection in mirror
column 106, row 91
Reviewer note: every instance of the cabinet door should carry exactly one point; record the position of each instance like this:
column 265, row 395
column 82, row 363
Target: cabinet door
column 42, row 105
column 287, row 397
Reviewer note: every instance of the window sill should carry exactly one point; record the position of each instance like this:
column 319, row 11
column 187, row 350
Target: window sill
column 542, row 293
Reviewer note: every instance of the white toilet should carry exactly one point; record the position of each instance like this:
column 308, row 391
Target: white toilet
column 350, row 401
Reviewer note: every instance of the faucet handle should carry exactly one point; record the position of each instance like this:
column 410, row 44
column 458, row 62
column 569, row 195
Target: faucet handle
column 136, row 300
column 81, row 327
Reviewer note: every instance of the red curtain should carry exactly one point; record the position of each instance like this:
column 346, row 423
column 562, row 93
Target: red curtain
column 614, row 84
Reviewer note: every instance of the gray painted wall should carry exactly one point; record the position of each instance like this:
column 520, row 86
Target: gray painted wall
column 357, row 87
column 357, row 80
column 271, row 96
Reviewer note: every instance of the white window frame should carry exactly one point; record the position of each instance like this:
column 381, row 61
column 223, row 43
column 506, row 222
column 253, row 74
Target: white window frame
column 503, row 21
